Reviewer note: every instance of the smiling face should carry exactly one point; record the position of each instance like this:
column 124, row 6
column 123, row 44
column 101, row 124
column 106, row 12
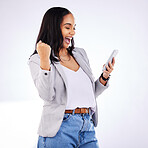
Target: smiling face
column 68, row 29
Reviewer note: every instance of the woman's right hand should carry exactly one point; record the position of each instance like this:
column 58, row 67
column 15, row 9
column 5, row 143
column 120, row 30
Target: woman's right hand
column 43, row 50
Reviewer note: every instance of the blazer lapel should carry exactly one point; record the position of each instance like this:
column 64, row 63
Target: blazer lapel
column 82, row 64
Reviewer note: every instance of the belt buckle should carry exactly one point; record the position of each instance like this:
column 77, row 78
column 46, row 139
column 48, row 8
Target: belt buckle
column 86, row 111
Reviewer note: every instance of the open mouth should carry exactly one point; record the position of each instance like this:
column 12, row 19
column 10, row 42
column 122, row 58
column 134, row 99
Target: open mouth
column 68, row 39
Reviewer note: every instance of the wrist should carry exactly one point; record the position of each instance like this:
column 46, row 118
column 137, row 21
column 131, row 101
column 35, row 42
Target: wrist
column 44, row 59
column 105, row 78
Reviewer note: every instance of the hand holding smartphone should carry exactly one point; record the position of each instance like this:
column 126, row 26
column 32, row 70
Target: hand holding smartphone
column 114, row 53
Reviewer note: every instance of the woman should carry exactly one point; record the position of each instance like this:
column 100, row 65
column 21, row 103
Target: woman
column 64, row 80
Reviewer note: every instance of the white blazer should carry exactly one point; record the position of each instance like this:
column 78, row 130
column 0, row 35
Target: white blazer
column 51, row 86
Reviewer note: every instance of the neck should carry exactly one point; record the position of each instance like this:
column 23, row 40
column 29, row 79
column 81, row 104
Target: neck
column 63, row 52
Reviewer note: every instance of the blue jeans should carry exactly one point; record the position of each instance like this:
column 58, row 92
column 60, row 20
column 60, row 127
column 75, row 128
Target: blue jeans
column 76, row 131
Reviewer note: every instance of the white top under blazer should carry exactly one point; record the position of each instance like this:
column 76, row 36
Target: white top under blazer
column 52, row 89
column 79, row 91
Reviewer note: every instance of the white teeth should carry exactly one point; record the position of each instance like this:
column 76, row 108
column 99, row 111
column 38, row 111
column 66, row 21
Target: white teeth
column 69, row 38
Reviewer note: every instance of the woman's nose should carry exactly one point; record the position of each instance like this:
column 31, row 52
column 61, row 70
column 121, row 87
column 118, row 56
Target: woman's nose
column 72, row 32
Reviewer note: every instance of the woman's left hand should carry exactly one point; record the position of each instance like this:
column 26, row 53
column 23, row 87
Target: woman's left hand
column 109, row 68
column 106, row 73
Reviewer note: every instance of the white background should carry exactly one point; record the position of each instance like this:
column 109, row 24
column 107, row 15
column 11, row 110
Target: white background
column 102, row 25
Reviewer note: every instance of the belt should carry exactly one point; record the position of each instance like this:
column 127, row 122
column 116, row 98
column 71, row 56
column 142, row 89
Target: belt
column 78, row 111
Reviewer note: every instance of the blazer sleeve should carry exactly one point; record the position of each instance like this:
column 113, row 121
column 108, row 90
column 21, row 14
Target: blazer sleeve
column 99, row 87
column 41, row 78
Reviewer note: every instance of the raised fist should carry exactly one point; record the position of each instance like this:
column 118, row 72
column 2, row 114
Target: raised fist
column 43, row 50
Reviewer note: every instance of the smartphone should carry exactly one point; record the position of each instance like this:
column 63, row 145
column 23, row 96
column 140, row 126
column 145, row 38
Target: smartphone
column 114, row 53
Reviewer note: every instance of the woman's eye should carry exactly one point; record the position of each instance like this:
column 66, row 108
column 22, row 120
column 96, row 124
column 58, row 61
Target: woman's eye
column 69, row 28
